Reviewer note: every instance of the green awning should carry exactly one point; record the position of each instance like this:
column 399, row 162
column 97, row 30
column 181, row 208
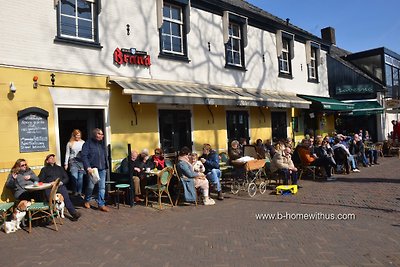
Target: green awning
column 363, row 108
column 327, row 103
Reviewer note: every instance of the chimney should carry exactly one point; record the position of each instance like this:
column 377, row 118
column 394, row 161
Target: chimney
column 328, row 35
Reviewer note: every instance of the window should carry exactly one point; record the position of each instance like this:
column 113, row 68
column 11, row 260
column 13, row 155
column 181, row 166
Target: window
column 77, row 21
column 284, row 59
column 235, row 38
column 285, row 51
column 174, row 30
column 312, row 62
column 233, row 47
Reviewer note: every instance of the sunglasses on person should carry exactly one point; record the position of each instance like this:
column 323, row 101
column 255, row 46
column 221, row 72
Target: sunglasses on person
column 22, row 165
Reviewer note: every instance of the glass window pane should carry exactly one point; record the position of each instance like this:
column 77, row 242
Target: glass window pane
column 166, row 43
column 236, row 58
column 395, row 76
column 236, row 44
column 68, row 7
column 176, row 45
column 166, row 27
column 68, row 26
column 229, row 57
column 235, row 30
column 166, row 11
column 176, row 13
column 84, row 9
column 175, row 28
column 389, row 80
column 85, row 29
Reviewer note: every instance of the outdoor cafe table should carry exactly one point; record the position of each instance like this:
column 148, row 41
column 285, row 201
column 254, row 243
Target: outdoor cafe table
column 38, row 187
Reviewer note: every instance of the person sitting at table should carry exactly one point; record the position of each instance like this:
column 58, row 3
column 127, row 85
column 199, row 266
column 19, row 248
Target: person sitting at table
column 282, row 162
column 124, row 168
column 260, row 149
column 210, row 159
column 140, row 165
column 48, row 174
column 20, row 176
column 187, row 173
column 158, row 159
column 234, row 151
column 198, row 166
column 341, row 152
column 357, row 149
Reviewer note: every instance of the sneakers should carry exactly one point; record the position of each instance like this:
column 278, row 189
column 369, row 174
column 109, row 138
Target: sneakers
column 87, row 205
column 75, row 216
column 104, row 209
column 331, row 178
column 208, row 201
column 137, row 199
column 355, row 170
column 220, row 196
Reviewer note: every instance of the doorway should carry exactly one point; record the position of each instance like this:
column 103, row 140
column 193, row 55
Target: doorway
column 76, row 118
column 279, row 125
column 237, row 125
column 175, row 129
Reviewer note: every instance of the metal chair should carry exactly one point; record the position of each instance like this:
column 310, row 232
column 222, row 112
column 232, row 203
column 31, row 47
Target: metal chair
column 45, row 210
column 5, row 210
column 163, row 179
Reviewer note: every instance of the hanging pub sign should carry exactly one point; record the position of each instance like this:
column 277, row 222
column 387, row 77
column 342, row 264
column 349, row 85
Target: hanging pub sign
column 131, row 56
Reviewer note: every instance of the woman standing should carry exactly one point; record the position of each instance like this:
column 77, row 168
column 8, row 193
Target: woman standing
column 73, row 159
column 20, row 176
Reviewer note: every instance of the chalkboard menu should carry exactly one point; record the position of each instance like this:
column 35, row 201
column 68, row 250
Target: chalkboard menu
column 33, row 130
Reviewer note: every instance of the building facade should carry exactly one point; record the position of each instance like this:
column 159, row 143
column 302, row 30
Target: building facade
column 157, row 73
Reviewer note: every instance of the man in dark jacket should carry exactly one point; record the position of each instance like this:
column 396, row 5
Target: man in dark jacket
column 49, row 173
column 210, row 159
column 94, row 155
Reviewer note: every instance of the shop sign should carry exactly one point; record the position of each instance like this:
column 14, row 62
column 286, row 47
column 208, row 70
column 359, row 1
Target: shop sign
column 354, row 89
column 392, row 103
column 131, row 56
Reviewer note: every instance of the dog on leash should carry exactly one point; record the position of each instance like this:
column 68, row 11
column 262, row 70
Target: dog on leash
column 60, row 205
column 17, row 217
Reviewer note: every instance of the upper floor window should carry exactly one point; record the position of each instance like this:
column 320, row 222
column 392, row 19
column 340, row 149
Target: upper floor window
column 234, row 47
column 172, row 29
column 77, row 20
column 312, row 58
column 284, row 59
column 235, row 37
column 285, row 45
column 174, row 26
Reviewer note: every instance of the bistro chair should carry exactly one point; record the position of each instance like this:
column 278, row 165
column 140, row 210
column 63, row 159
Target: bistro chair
column 182, row 187
column 5, row 210
column 45, row 210
column 163, row 179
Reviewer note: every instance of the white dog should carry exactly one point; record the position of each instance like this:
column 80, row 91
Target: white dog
column 199, row 167
column 17, row 217
column 60, row 205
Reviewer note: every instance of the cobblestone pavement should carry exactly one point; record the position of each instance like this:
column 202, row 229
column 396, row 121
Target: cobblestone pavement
column 228, row 234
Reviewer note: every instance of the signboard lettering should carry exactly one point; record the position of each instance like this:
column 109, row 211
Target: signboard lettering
column 354, row 89
column 33, row 133
column 131, row 56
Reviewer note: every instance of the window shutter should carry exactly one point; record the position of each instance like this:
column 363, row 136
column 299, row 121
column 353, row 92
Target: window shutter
column 225, row 26
column 187, row 17
column 244, row 35
column 160, row 18
column 279, row 43
column 291, row 47
column 318, row 55
column 308, row 52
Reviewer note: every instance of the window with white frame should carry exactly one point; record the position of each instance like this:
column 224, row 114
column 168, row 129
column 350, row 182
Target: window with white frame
column 77, row 20
column 172, row 30
column 234, row 46
column 284, row 59
column 312, row 67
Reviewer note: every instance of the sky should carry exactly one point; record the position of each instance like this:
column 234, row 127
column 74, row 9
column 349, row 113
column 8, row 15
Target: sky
column 359, row 24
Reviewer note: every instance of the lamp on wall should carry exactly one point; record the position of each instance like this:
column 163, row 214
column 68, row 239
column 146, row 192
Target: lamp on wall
column 53, row 79
column 13, row 89
column 35, row 81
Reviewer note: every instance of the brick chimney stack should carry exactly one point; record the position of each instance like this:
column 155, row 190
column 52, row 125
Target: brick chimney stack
column 328, row 35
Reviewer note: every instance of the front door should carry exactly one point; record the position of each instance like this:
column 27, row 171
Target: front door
column 279, row 125
column 175, row 129
column 237, row 125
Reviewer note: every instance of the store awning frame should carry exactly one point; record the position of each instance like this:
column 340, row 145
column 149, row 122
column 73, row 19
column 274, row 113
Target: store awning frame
column 170, row 92
column 329, row 104
column 365, row 107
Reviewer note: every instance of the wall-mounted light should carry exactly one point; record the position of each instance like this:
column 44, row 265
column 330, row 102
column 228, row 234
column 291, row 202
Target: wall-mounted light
column 53, row 79
column 128, row 29
column 13, row 89
column 35, row 81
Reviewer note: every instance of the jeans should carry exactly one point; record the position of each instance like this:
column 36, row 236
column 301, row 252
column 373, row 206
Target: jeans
column 352, row 162
column 373, row 156
column 78, row 176
column 288, row 175
column 213, row 176
column 102, row 189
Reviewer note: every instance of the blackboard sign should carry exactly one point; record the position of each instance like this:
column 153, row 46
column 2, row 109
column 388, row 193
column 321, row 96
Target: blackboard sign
column 33, row 131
